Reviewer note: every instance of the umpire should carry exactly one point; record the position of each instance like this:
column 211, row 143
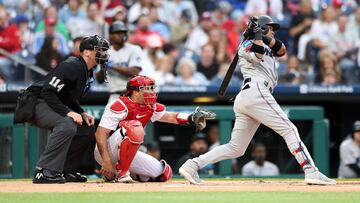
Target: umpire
column 57, row 109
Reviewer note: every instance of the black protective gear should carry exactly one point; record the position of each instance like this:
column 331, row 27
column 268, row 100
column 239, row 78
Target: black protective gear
column 265, row 21
column 99, row 44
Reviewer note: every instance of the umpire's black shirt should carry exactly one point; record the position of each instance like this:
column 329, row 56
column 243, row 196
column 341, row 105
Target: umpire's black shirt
column 64, row 86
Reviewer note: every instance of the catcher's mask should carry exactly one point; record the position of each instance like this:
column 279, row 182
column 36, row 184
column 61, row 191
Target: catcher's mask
column 265, row 21
column 145, row 85
column 99, row 45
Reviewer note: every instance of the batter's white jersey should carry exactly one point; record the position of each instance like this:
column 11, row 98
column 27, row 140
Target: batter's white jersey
column 252, row 67
column 128, row 56
column 349, row 154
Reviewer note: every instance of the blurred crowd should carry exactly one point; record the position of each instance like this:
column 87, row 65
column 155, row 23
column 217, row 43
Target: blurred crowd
column 189, row 42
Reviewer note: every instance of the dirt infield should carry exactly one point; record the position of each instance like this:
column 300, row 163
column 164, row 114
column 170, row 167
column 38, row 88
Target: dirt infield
column 181, row 186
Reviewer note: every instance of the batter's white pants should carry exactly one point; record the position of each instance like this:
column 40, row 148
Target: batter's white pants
column 253, row 106
column 143, row 166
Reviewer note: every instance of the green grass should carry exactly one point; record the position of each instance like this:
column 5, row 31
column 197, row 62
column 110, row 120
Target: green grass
column 182, row 197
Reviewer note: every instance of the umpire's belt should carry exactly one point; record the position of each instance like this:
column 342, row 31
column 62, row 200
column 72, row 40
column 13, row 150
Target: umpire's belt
column 266, row 84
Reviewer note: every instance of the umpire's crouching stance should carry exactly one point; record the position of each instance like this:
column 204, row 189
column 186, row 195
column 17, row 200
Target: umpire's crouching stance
column 57, row 108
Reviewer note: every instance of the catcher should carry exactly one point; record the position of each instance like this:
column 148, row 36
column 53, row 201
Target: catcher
column 121, row 132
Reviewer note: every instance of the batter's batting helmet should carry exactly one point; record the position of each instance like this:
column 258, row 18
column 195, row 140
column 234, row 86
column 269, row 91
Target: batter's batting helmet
column 265, row 21
column 118, row 26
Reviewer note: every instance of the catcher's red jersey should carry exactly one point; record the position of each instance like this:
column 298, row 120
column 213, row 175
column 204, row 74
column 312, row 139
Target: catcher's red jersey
column 125, row 109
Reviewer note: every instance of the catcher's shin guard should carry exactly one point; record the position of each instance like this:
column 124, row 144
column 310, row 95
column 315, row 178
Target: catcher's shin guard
column 133, row 133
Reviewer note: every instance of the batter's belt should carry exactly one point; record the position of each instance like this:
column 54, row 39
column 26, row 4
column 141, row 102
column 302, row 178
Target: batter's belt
column 266, row 84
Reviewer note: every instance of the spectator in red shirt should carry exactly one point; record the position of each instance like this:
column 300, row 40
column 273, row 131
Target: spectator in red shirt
column 142, row 31
column 9, row 41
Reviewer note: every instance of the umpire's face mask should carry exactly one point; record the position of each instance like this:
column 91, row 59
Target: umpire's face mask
column 102, row 55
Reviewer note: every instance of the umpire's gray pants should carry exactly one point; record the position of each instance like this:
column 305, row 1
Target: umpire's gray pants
column 66, row 142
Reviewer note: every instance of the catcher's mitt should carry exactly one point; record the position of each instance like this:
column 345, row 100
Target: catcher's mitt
column 199, row 117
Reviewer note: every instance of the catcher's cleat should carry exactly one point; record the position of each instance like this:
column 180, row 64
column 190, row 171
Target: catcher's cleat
column 125, row 179
column 189, row 171
column 46, row 178
column 75, row 177
column 317, row 178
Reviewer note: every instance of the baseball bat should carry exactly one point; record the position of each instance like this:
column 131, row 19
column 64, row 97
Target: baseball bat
column 229, row 73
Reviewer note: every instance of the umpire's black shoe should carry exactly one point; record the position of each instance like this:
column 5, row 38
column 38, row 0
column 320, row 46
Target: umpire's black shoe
column 75, row 177
column 41, row 178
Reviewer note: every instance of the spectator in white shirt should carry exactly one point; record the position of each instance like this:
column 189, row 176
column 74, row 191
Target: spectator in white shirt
column 259, row 166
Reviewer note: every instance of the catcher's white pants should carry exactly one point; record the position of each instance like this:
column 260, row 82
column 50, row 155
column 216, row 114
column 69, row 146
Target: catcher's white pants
column 252, row 106
column 143, row 166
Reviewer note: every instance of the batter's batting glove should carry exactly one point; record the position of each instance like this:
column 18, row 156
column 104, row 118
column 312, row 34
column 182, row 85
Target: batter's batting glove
column 199, row 118
column 109, row 65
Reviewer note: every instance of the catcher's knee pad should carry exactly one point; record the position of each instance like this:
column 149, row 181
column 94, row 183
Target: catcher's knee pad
column 133, row 135
column 133, row 130
column 167, row 172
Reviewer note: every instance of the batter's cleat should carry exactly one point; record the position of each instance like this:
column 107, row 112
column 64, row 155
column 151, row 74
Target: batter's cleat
column 125, row 179
column 75, row 177
column 317, row 178
column 41, row 178
column 189, row 171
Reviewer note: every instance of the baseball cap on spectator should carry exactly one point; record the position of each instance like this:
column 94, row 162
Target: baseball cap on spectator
column 198, row 136
column 50, row 21
column 154, row 41
column 21, row 18
column 337, row 3
column 223, row 6
column 356, row 126
column 205, row 16
column 186, row 14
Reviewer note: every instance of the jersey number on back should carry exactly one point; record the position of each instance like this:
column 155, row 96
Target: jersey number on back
column 55, row 83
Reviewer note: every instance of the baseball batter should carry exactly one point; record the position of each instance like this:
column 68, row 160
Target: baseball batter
column 121, row 132
column 255, row 104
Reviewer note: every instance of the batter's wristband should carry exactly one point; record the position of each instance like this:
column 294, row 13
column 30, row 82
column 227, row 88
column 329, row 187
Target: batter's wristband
column 257, row 49
column 266, row 39
column 277, row 46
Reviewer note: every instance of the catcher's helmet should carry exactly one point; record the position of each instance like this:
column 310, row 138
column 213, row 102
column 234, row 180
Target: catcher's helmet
column 99, row 44
column 145, row 84
column 265, row 21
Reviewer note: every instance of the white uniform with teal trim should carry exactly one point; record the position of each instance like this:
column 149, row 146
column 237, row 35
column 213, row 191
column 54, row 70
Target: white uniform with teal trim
column 254, row 105
column 252, row 67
